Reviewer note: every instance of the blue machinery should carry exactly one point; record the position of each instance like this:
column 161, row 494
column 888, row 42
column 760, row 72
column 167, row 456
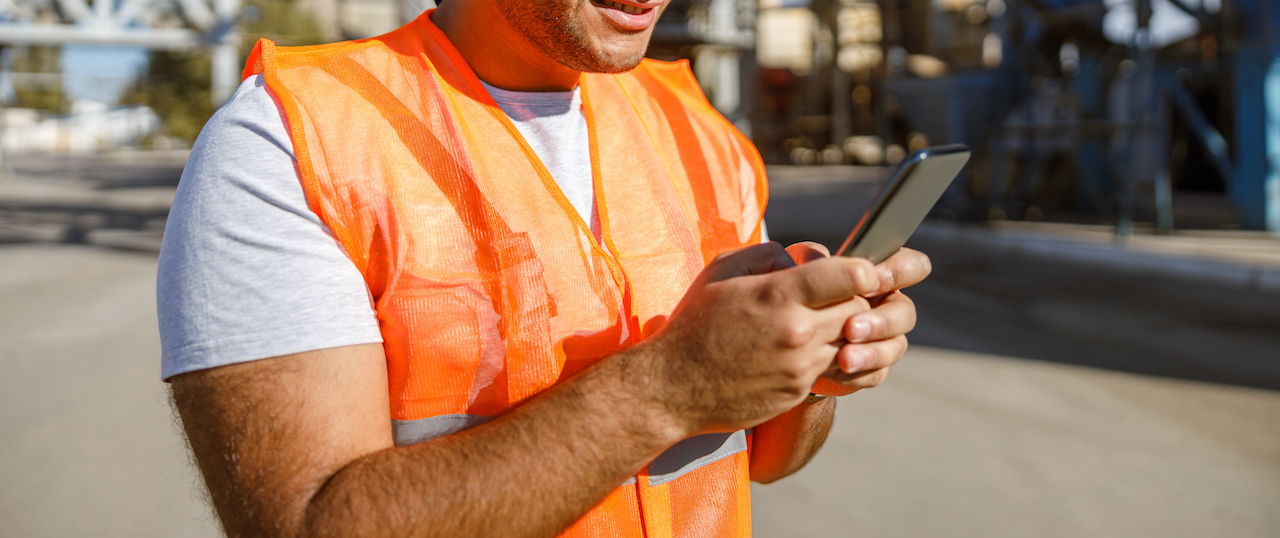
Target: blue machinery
column 1111, row 118
column 1255, row 185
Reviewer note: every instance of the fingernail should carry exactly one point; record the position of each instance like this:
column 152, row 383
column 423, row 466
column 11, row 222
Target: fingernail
column 857, row 360
column 861, row 330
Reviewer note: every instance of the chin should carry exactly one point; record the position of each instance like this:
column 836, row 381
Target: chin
column 615, row 63
column 597, row 59
column 570, row 39
column 610, row 53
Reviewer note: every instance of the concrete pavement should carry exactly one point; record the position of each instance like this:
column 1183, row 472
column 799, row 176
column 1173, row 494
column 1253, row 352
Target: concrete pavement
column 1239, row 259
column 955, row 444
column 88, row 446
column 118, row 200
column 983, row 443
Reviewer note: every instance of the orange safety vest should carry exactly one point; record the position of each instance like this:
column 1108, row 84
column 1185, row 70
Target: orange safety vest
column 488, row 286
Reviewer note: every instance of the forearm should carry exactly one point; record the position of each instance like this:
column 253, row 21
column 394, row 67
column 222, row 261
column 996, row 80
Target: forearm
column 301, row 446
column 786, row 443
column 531, row 472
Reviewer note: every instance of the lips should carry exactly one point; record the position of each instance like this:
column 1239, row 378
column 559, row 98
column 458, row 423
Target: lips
column 627, row 17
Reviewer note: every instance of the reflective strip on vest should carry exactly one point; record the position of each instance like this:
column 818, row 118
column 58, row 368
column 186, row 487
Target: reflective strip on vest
column 411, row 432
column 695, row 452
column 682, row 458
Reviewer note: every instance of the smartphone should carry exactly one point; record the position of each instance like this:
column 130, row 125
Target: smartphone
column 905, row 201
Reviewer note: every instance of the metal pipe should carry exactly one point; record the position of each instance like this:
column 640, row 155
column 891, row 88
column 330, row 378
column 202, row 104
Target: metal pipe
column 225, row 70
column 1206, row 134
column 197, row 13
column 41, row 34
column 72, row 10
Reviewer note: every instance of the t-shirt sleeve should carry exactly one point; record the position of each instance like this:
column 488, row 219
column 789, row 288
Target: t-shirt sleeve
column 247, row 271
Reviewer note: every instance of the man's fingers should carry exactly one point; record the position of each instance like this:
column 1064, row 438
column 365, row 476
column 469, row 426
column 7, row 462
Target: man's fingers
column 807, row 251
column 904, row 269
column 833, row 319
column 879, row 358
column 827, row 281
column 857, row 360
column 894, row 316
column 753, row 260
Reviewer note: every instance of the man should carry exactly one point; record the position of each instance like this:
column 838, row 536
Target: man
column 505, row 279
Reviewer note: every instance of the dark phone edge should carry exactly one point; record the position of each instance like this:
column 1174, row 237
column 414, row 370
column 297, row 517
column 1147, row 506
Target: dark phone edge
column 895, row 183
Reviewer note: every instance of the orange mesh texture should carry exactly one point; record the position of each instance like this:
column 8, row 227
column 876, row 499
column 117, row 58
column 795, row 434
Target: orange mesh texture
column 488, row 286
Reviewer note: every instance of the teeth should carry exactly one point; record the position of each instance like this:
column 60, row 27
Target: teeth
column 628, row 9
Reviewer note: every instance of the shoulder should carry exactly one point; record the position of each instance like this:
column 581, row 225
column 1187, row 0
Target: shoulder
column 250, row 118
column 244, row 150
column 246, row 269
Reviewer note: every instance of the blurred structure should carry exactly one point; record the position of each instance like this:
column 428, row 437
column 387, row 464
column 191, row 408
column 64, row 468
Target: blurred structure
column 185, row 25
column 717, row 36
column 90, row 127
column 198, row 49
column 1125, row 111
column 156, row 24
column 1117, row 110
column 358, row 19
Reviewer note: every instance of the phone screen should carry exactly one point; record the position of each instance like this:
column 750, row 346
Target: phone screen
column 905, row 201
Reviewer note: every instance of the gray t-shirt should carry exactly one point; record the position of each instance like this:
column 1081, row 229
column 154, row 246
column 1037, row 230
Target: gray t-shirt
column 248, row 271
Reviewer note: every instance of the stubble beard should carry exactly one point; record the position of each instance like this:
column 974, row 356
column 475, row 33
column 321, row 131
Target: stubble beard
column 559, row 35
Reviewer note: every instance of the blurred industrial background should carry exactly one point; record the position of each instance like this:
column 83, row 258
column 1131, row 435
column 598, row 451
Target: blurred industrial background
column 1098, row 350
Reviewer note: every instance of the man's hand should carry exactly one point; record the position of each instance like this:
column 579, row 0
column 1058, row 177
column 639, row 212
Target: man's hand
column 784, row 444
column 301, row 445
column 752, row 335
column 876, row 338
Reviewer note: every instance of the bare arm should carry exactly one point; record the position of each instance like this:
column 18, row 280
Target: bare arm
column 876, row 341
column 301, row 445
column 787, row 442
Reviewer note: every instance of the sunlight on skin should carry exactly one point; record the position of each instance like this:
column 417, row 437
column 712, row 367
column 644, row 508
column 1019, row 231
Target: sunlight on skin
column 536, row 51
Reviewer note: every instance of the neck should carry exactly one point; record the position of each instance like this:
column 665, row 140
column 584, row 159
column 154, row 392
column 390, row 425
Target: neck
column 497, row 53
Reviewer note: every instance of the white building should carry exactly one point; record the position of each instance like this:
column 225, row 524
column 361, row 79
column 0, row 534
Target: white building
column 91, row 127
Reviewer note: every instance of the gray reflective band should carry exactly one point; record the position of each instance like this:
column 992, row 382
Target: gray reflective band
column 694, row 452
column 408, row 432
column 680, row 459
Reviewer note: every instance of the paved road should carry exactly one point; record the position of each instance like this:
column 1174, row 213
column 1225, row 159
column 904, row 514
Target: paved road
column 967, row 445
column 88, row 447
column 956, row 444
column 1077, row 313
column 968, row 438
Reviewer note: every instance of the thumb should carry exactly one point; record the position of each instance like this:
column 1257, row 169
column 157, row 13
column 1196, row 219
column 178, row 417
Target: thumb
column 753, row 260
column 807, row 251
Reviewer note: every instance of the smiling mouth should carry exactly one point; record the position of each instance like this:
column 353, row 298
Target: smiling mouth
column 622, row 7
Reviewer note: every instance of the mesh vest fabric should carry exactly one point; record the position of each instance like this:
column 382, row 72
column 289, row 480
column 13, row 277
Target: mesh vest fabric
column 488, row 286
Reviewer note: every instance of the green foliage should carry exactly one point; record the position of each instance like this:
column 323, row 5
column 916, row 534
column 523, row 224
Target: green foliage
column 176, row 84
column 280, row 21
column 41, row 94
